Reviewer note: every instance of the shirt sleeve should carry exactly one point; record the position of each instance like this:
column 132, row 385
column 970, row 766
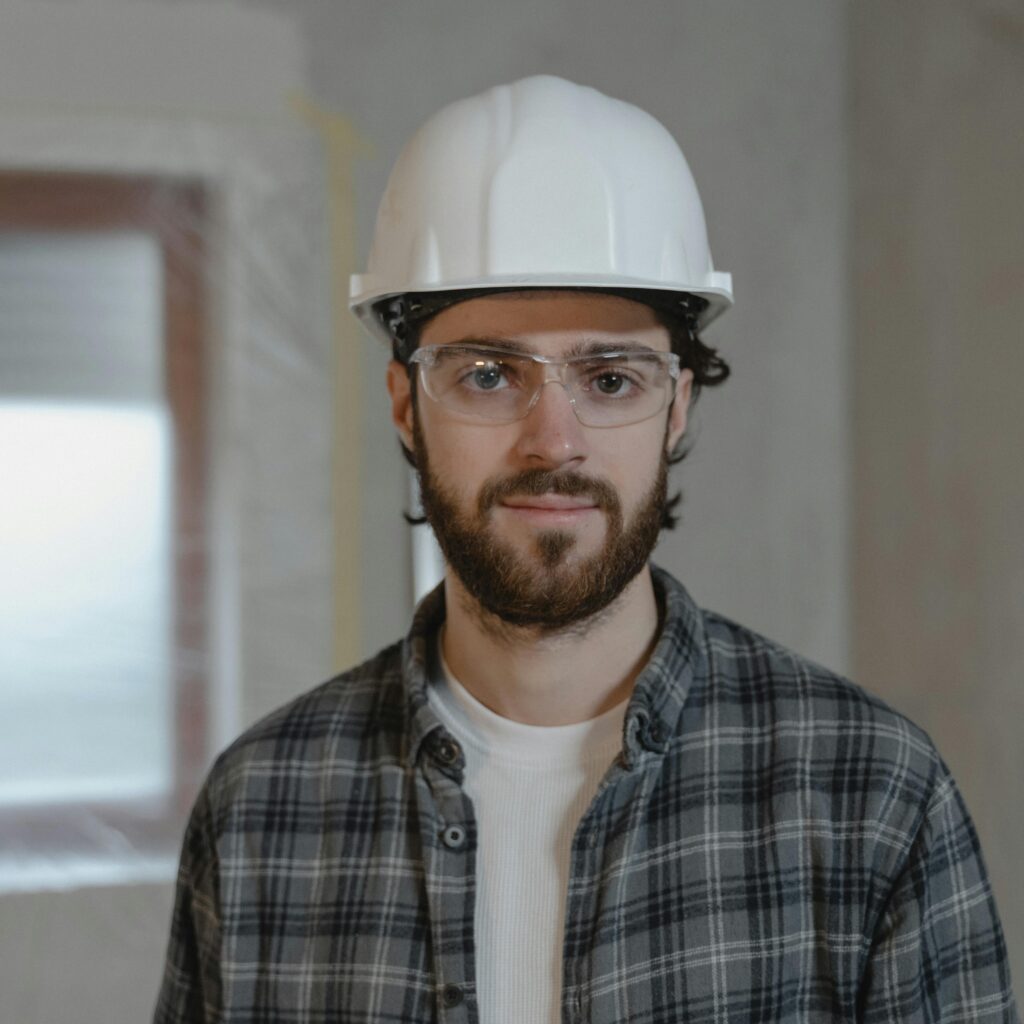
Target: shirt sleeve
column 191, row 988
column 939, row 953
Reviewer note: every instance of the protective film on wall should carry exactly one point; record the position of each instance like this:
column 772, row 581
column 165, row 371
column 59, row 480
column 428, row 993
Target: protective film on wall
column 167, row 437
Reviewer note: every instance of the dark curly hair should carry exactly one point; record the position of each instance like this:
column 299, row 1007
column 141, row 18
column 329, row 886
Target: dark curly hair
column 405, row 316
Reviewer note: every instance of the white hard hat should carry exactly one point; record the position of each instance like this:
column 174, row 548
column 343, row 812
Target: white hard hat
column 540, row 184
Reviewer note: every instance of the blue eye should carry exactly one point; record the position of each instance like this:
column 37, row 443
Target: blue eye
column 488, row 377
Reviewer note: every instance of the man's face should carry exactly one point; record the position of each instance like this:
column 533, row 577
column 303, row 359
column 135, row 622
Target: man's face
column 544, row 521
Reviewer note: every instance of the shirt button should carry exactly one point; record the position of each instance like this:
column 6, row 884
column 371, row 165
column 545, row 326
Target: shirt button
column 658, row 733
column 454, row 837
column 451, row 996
column 448, row 752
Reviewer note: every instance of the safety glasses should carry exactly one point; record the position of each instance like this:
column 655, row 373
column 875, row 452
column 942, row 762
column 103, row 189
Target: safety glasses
column 491, row 385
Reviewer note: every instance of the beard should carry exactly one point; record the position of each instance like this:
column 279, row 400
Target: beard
column 554, row 590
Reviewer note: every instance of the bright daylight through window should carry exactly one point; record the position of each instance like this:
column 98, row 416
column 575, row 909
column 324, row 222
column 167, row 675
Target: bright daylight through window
column 86, row 623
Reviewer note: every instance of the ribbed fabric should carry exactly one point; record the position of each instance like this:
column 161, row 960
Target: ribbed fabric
column 530, row 785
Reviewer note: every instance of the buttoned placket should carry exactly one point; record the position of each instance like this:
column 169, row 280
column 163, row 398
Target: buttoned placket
column 626, row 788
column 449, row 836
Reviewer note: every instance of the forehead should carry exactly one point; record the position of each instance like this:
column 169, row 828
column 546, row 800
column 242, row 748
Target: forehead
column 548, row 321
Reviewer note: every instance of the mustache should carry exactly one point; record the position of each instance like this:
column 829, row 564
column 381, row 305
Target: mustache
column 534, row 482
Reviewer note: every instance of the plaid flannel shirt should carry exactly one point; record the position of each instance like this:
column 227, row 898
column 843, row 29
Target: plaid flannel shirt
column 772, row 844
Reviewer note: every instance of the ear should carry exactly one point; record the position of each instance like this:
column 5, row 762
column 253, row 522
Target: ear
column 401, row 401
column 680, row 408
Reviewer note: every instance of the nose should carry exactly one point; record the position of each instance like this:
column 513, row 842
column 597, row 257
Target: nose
column 550, row 434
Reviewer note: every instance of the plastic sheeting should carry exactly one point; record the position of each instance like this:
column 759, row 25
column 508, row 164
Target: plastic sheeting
column 165, row 415
column 167, row 427
column 175, row 216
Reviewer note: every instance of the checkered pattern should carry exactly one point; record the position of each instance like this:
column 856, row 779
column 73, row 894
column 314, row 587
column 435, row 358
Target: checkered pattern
column 773, row 844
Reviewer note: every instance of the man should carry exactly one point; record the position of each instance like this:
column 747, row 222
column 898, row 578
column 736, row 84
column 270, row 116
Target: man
column 570, row 794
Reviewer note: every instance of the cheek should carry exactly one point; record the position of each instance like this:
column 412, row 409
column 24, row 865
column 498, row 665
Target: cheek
column 462, row 457
column 634, row 460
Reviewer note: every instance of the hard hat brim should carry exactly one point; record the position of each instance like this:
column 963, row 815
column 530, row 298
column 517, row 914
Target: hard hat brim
column 367, row 295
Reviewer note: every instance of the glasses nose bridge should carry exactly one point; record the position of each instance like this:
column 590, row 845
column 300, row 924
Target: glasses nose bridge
column 552, row 371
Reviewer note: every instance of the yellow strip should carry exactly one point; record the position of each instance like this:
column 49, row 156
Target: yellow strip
column 341, row 146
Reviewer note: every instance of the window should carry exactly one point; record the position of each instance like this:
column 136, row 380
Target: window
column 103, row 626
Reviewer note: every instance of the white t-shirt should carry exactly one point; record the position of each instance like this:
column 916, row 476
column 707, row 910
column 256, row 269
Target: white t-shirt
column 530, row 785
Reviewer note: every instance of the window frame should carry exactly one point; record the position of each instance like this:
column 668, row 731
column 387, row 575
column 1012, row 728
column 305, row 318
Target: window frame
column 175, row 212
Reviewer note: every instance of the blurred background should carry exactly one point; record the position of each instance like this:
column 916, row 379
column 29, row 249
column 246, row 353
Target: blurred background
column 200, row 490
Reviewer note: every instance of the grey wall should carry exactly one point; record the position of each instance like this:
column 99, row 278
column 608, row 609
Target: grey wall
column 87, row 957
column 938, row 355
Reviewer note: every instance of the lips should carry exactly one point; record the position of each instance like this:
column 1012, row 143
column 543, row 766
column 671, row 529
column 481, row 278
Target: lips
column 547, row 495
column 549, row 503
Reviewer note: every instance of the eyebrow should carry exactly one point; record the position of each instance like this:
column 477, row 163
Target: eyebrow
column 586, row 347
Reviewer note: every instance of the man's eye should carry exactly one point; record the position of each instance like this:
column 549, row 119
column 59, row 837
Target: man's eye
column 487, row 377
column 611, row 383
column 614, row 384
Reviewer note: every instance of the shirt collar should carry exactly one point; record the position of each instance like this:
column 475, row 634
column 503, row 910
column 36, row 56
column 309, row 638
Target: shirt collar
column 678, row 662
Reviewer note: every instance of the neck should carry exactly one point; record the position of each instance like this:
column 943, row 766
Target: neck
column 541, row 678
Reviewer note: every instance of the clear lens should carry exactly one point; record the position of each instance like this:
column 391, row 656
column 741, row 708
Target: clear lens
column 606, row 389
column 480, row 384
column 623, row 389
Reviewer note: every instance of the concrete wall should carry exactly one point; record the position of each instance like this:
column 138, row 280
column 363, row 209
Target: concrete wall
column 938, row 357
